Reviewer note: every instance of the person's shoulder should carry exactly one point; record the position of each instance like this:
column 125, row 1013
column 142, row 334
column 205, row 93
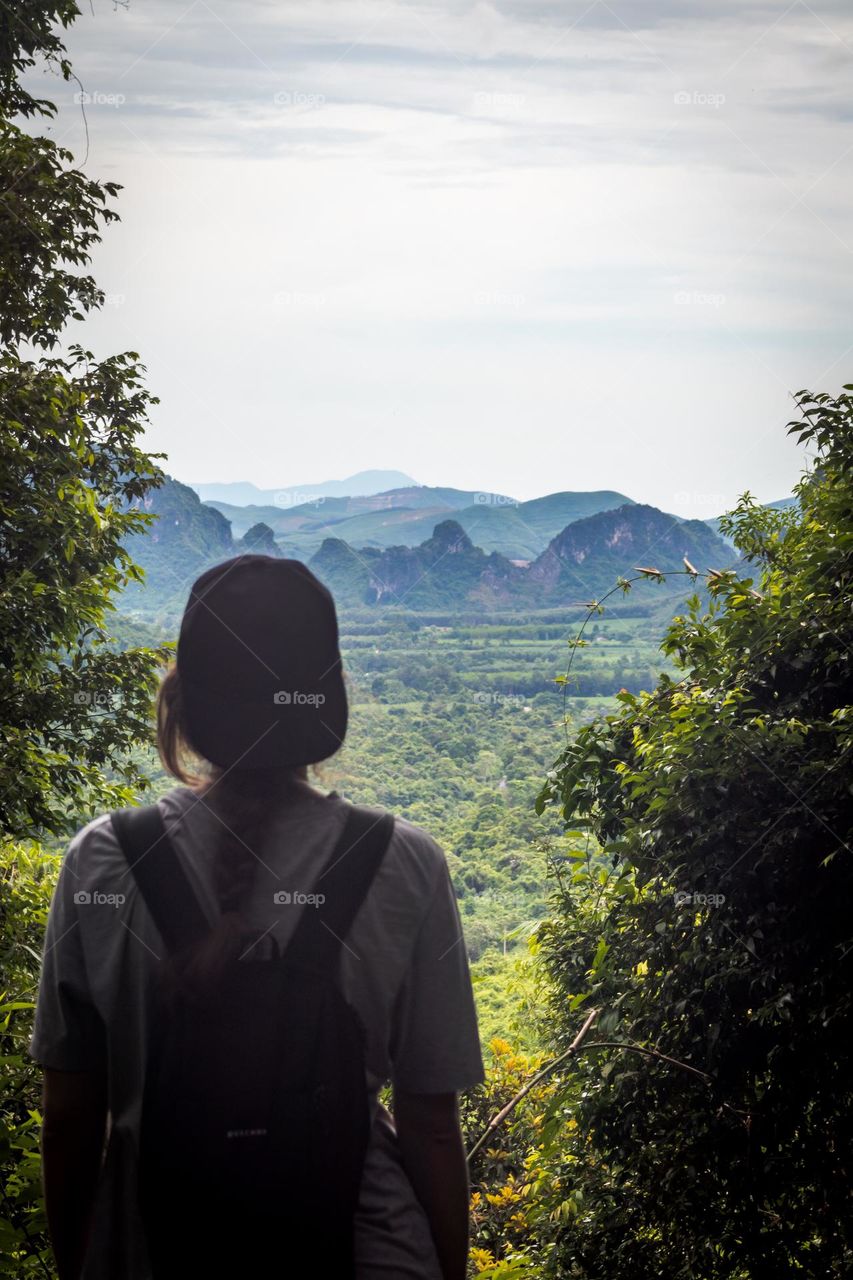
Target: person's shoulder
column 416, row 854
column 416, row 838
column 95, row 850
column 88, row 841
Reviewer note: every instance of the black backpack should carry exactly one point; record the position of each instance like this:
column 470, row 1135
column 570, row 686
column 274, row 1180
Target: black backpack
column 255, row 1116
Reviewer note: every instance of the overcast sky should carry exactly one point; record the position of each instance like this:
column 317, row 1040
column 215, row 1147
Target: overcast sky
column 517, row 246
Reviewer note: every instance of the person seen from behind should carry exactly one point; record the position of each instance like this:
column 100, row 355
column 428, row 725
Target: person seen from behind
column 232, row 974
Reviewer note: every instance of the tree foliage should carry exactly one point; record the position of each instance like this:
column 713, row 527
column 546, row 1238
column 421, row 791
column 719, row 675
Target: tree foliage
column 705, row 909
column 73, row 706
column 70, row 474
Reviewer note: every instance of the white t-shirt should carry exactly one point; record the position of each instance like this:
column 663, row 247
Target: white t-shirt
column 404, row 969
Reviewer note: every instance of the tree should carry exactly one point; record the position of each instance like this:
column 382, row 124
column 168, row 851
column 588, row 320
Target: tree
column 75, row 707
column 71, row 475
column 708, row 917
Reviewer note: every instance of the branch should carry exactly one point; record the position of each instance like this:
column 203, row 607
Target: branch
column 651, row 1053
column 578, row 1046
column 744, row 1116
column 497, row 1120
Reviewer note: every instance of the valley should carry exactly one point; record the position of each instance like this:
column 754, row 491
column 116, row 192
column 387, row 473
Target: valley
column 456, row 713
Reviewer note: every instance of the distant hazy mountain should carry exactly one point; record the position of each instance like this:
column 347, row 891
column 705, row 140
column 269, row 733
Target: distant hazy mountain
column 242, row 493
column 321, row 511
column 407, row 517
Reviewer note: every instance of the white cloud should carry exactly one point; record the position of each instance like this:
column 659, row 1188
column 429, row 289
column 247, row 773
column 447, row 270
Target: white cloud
column 520, row 247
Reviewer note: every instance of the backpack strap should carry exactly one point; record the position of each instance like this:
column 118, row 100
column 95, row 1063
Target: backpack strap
column 319, row 936
column 161, row 878
column 343, row 882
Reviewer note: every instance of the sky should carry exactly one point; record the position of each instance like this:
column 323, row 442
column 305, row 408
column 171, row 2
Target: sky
column 512, row 247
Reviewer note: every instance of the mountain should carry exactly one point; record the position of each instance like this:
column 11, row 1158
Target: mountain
column 242, row 493
column 446, row 569
column 522, row 531
column 587, row 557
column 181, row 543
column 407, row 517
column 582, row 562
column 259, row 540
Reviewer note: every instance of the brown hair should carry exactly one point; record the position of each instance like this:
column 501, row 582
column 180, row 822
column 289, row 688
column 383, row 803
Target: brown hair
column 245, row 801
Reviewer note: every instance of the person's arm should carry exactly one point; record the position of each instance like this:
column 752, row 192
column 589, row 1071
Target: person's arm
column 433, row 1155
column 74, row 1115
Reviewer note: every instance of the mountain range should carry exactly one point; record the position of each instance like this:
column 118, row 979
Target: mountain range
column 580, row 563
column 447, row 569
column 408, row 516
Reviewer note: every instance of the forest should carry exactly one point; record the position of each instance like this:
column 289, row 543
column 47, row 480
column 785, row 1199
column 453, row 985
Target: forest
column 644, row 799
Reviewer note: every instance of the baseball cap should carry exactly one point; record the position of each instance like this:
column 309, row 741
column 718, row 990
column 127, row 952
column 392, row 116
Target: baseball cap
column 259, row 665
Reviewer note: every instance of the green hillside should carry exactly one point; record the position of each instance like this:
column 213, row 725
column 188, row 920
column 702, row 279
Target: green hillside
column 186, row 537
column 393, row 527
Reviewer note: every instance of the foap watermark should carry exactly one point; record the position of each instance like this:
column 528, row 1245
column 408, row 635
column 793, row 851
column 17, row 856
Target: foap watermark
column 494, row 500
column 492, row 698
column 699, row 899
column 488, row 100
column 95, row 698
column 298, row 299
column 97, row 99
column 299, row 100
column 497, row 298
column 703, row 501
column 96, row 898
column 293, row 498
column 698, row 98
column 695, row 298
column 295, row 697
column 286, row 898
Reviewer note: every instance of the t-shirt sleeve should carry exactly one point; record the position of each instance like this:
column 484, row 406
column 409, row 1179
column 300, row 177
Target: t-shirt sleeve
column 68, row 1032
column 435, row 1044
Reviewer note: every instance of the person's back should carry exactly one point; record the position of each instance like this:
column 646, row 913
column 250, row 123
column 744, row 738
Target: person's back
column 252, row 844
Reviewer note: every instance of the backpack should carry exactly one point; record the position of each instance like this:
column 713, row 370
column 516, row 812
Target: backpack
column 255, row 1115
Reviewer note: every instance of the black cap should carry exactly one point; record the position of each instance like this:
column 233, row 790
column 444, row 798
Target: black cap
column 260, row 666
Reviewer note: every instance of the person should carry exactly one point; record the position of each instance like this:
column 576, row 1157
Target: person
column 255, row 697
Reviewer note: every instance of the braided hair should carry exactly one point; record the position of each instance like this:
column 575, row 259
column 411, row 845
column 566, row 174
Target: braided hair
column 245, row 803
